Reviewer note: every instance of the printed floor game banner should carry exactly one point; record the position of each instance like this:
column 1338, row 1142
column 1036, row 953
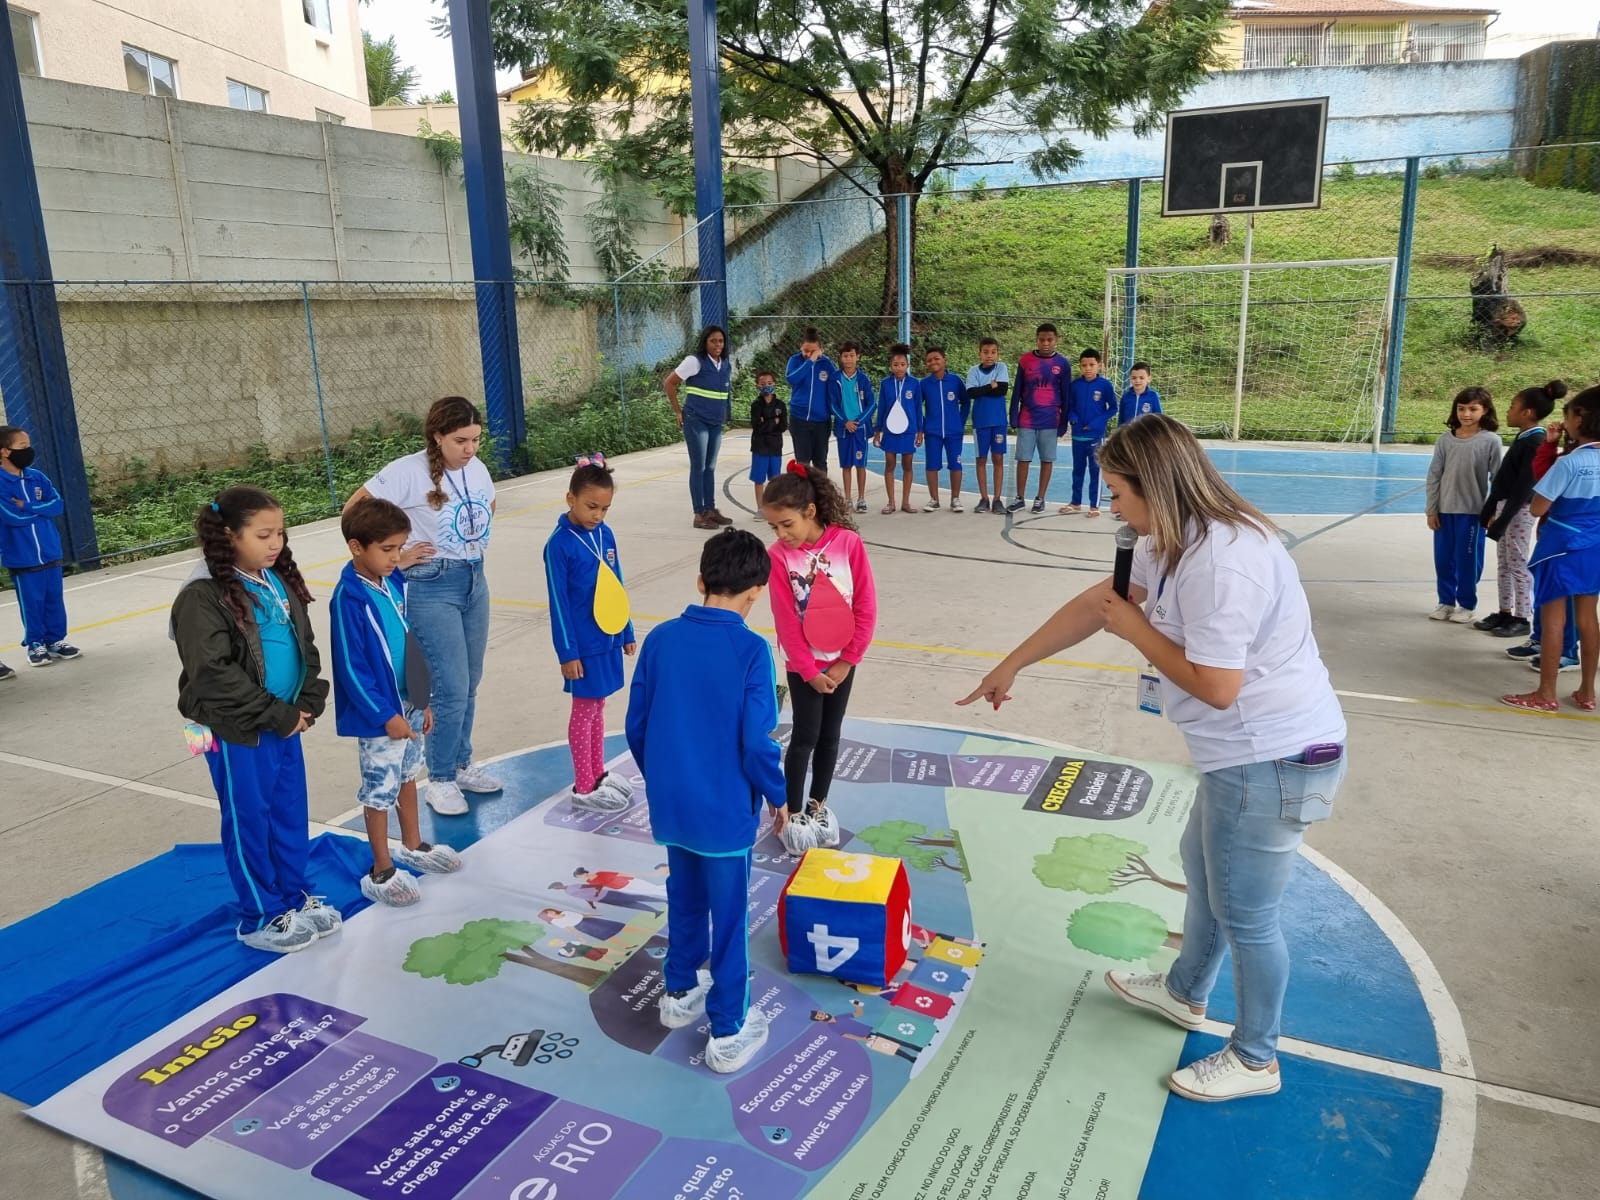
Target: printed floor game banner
column 499, row 1040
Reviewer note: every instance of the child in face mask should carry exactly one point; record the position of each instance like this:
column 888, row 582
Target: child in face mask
column 769, row 419
column 30, row 548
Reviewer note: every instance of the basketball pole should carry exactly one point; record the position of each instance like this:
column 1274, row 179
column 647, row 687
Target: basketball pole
column 1244, row 325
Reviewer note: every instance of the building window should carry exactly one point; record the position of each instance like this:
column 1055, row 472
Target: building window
column 330, row 117
column 318, row 14
column 150, row 74
column 25, row 33
column 1278, row 45
column 243, row 96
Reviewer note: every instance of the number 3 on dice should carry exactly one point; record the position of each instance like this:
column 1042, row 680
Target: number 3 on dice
column 832, row 952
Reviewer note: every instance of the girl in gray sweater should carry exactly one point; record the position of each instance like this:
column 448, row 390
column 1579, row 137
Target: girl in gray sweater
column 1464, row 463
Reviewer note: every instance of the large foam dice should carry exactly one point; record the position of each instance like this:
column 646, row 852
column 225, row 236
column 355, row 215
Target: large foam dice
column 846, row 915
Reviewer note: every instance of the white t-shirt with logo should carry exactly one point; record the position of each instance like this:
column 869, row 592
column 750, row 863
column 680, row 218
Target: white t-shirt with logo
column 459, row 528
column 1235, row 602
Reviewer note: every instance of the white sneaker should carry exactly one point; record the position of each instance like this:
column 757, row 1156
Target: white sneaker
column 473, row 778
column 437, row 859
column 1442, row 613
column 1150, row 991
column 827, row 825
column 956, row 505
column 1222, row 1076
column 284, row 934
column 323, row 918
column 444, row 797
column 1463, row 616
column 601, row 800
column 617, row 783
column 397, row 891
column 725, row 1055
column 679, row 1011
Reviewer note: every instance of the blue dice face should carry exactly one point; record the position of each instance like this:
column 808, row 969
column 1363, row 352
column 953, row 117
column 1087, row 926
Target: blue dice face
column 837, row 938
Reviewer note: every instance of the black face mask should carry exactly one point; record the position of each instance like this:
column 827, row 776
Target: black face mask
column 22, row 457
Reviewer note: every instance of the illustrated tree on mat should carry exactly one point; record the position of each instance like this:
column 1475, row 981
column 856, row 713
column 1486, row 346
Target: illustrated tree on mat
column 920, row 849
column 479, row 949
column 1113, row 929
column 1097, row 864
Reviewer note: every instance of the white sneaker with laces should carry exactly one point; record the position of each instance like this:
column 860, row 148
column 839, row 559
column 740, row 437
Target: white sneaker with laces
column 397, row 891
column 1463, row 616
column 284, row 934
column 679, row 1011
column 1150, row 992
column 437, row 859
column 1222, row 1076
column 955, row 504
column 323, row 918
column 1442, row 613
column 725, row 1055
column 827, row 825
column 473, row 778
column 444, row 797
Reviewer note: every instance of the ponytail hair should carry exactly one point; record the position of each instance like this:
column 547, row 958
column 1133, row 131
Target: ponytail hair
column 800, row 486
column 446, row 416
column 228, row 514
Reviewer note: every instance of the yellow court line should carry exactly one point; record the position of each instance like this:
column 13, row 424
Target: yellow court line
column 143, row 612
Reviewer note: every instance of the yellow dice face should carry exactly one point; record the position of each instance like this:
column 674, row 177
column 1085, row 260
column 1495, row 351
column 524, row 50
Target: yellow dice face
column 839, row 875
column 954, row 952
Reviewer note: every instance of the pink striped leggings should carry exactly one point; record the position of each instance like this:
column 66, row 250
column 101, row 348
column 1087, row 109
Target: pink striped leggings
column 586, row 738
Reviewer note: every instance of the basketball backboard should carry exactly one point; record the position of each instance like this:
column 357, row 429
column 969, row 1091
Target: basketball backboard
column 1245, row 158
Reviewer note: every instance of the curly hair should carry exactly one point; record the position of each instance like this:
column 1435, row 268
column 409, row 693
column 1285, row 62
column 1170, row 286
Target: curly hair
column 446, row 416
column 228, row 514
column 797, row 488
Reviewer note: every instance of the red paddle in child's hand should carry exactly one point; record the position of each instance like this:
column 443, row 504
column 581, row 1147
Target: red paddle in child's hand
column 829, row 623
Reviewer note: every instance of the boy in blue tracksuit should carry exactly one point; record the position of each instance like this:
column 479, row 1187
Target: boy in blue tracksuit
column 380, row 697
column 851, row 402
column 810, row 423
column 1091, row 403
column 30, row 548
column 706, row 670
column 987, row 383
column 1140, row 398
column 945, row 408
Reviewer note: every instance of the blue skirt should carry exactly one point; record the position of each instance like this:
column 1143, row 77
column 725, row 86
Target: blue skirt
column 602, row 676
column 1566, row 561
column 900, row 443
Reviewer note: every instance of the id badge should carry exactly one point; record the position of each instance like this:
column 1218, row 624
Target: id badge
column 1149, row 691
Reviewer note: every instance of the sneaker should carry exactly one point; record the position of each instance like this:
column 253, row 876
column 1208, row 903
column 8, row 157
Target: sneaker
column 1528, row 649
column 725, row 1055
column 1568, row 663
column 473, row 778
column 323, row 918
column 617, row 783
column 1222, row 1076
column 982, row 506
column 1038, row 504
column 444, row 797
column 800, row 833
column 758, row 515
column 601, row 800
column 1016, row 502
column 1442, row 613
column 284, row 934
column 955, row 504
column 861, row 506
column 827, row 825
column 1462, row 616
column 6, row 673
column 1493, row 621
column 435, row 859
column 398, row 890
column 38, row 656
column 64, row 650
column 931, row 505
column 1513, row 627
column 681, row 1009
column 721, row 520
column 1150, row 992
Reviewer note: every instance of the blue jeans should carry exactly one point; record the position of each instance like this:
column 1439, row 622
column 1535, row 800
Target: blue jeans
column 447, row 604
column 1238, row 853
column 705, row 440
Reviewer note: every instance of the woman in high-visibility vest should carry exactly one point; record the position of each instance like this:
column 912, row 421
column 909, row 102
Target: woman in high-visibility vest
column 705, row 378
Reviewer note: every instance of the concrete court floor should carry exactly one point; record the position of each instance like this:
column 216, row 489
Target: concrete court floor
column 1476, row 825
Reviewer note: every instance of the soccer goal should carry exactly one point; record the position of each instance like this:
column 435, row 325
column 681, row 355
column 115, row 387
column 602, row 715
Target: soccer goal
column 1293, row 350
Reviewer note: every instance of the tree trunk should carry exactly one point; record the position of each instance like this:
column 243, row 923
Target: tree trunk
column 1496, row 317
column 894, row 180
column 586, row 977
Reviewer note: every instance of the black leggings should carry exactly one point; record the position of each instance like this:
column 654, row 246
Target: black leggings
column 811, row 440
column 814, row 741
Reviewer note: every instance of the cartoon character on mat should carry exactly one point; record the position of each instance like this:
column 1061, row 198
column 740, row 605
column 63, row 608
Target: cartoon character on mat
column 579, row 950
column 594, row 929
column 617, row 889
column 856, row 1009
column 879, row 1044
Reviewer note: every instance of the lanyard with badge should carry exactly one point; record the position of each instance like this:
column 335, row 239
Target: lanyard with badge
column 611, row 610
column 1149, row 680
column 468, row 506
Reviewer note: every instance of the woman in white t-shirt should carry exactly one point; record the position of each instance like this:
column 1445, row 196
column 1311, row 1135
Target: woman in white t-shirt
column 704, row 379
column 1216, row 607
column 449, row 495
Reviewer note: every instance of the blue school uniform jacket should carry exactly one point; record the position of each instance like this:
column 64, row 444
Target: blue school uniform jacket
column 571, row 567
column 988, row 387
column 28, row 535
column 701, row 713
column 864, row 398
column 905, row 394
column 945, row 406
column 366, row 690
column 1132, row 406
column 808, row 387
column 1090, row 405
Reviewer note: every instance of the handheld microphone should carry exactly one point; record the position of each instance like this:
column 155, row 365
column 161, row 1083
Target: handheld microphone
column 1122, row 572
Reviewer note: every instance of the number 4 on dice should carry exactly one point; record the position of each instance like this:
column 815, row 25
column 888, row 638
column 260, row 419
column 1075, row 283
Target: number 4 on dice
column 846, row 915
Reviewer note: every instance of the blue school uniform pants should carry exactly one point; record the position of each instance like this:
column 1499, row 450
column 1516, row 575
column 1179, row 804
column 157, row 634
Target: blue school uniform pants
column 44, row 611
column 1458, row 546
column 708, row 898
column 1083, row 459
column 265, row 839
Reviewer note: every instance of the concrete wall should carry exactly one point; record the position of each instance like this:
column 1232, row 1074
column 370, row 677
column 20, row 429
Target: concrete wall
column 264, row 43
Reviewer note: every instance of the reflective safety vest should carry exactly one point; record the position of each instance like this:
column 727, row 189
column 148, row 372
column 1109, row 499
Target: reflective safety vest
column 707, row 392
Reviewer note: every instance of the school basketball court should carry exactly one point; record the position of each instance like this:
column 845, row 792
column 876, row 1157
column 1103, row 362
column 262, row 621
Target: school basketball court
column 1439, row 1034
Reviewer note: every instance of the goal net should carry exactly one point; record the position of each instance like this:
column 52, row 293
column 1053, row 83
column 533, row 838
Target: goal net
column 1290, row 350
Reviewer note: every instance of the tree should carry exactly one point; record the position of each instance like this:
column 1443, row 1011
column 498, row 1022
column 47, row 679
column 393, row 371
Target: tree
column 1113, row 929
column 444, row 97
column 906, row 88
column 388, row 81
column 480, row 948
column 533, row 201
column 912, row 842
column 1097, row 864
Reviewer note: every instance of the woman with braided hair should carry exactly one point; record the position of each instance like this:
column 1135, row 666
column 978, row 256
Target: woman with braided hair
column 449, row 495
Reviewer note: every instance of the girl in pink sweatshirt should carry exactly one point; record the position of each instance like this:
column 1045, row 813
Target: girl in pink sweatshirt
column 825, row 607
